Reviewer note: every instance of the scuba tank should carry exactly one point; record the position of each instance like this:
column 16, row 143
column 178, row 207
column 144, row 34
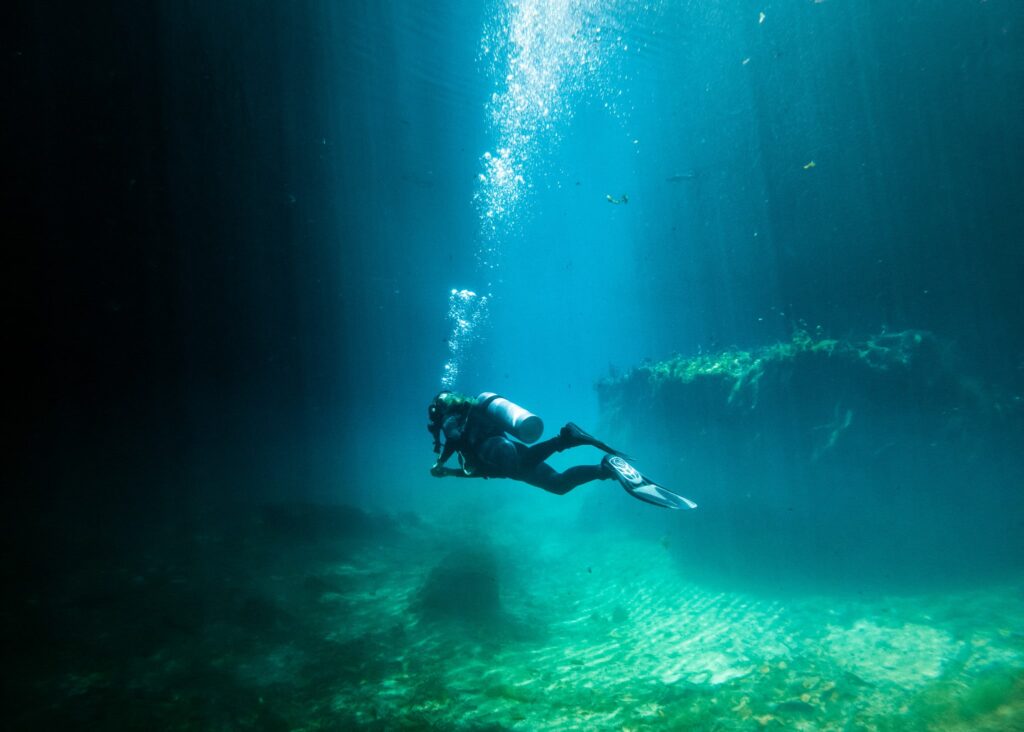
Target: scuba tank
column 512, row 418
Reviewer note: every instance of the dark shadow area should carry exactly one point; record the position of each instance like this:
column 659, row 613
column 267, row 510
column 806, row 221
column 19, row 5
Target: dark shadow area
column 463, row 595
column 191, row 624
column 462, row 587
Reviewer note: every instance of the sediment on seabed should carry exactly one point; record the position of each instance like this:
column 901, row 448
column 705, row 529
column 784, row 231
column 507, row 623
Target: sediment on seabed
column 318, row 617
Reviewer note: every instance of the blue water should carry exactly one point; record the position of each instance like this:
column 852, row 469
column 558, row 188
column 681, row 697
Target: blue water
column 772, row 250
column 828, row 166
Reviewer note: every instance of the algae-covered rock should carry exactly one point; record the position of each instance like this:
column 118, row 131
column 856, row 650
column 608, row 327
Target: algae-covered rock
column 463, row 586
column 878, row 457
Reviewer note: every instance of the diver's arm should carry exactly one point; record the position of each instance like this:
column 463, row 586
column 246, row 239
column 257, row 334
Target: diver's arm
column 452, row 429
column 437, row 469
column 443, row 472
column 440, row 471
column 446, row 453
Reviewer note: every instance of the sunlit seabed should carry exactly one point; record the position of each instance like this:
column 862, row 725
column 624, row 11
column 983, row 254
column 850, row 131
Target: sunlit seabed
column 626, row 642
column 603, row 632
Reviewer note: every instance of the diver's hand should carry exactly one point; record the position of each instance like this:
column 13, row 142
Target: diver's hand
column 437, row 471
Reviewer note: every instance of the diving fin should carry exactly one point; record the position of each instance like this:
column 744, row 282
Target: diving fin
column 577, row 436
column 641, row 487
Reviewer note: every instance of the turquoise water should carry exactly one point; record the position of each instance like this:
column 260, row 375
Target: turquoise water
column 770, row 250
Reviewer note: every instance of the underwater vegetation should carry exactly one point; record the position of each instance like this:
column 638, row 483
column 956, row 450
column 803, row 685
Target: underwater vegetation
column 916, row 358
column 868, row 452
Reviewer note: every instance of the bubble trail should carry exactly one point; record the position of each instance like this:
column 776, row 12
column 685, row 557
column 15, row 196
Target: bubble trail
column 466, row 311
column 542, row 54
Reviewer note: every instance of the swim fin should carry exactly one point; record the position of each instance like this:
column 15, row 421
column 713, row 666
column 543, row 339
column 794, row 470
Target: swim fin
column 642, row 487
column 574, row 435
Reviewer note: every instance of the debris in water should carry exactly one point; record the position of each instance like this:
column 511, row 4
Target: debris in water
column 809, row 165
column 622, row 199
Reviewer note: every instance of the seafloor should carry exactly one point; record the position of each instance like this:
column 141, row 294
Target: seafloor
column 300, row 618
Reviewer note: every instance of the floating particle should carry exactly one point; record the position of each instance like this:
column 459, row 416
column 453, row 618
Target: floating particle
column 760, row 18
column 809, row 165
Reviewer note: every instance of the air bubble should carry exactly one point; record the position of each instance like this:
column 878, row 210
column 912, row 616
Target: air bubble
column 544, row 55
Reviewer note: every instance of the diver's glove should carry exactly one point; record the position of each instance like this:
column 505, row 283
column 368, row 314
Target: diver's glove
column 437, row 471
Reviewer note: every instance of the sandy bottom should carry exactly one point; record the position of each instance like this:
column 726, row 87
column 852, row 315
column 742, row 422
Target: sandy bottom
column 605, row 633
column 616, row 639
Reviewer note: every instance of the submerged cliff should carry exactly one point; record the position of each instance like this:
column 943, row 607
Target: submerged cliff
column 872, row 457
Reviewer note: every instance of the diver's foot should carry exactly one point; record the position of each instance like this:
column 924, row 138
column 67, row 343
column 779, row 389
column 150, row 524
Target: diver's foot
column 607, row 471
column 573, row 436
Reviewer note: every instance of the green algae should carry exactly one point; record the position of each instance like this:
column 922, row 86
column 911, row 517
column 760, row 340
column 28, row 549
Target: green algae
column 742, row 369
column 916, row 360
column 992, row 700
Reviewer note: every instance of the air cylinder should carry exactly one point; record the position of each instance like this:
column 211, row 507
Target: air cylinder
column 518, row 422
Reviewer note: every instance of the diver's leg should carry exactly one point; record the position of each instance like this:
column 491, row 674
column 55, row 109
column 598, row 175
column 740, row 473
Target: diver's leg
column 533, row 455
column 569, row 436
column 500, row 457
column 546, row 477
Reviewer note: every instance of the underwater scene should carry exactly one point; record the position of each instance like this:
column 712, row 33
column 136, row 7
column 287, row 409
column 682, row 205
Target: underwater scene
column 713, row 312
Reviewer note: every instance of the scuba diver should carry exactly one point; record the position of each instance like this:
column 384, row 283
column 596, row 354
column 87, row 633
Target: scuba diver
column 475, row 429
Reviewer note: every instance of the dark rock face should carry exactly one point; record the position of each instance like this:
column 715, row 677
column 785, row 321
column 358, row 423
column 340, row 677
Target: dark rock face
column 875, row 458
column 462, row 587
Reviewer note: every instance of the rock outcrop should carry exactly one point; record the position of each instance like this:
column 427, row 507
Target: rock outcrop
column 876, row 457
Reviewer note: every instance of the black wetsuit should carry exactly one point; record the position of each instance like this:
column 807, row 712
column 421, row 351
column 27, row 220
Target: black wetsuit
column 486, row 452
